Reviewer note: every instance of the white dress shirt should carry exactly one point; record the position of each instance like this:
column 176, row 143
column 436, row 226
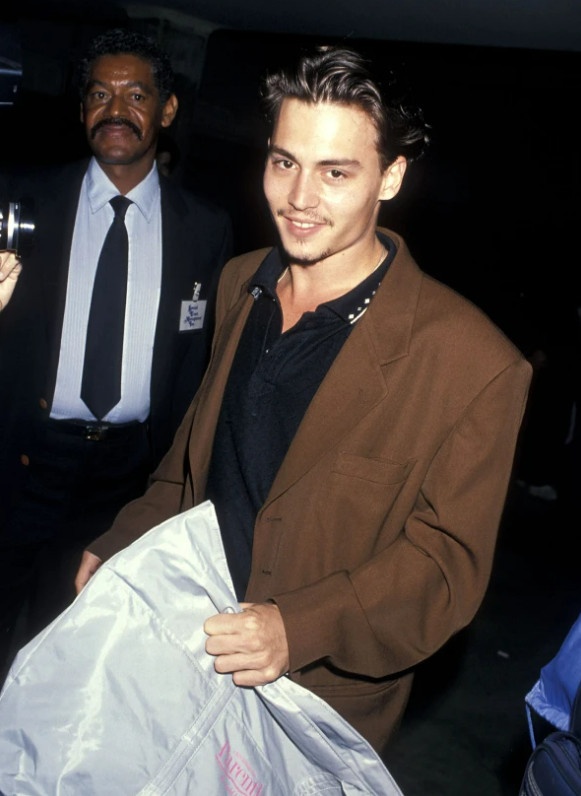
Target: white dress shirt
column 143, row 222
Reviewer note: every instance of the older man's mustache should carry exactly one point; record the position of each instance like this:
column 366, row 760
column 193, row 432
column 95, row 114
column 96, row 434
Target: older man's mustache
column 116, row 121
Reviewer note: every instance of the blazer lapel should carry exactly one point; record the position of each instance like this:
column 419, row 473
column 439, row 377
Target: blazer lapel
column 359, row 377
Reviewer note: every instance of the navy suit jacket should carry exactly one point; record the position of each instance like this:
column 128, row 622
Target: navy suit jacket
column 196, row 243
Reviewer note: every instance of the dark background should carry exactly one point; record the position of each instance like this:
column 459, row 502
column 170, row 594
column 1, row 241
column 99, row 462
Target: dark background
column 493, row 210
column 496, row 199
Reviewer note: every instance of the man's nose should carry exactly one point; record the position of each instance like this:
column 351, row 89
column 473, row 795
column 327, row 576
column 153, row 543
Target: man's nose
column 116, row 106
column 303, row 193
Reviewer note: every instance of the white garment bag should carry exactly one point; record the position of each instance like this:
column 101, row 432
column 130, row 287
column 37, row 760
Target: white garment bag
column 118, row 695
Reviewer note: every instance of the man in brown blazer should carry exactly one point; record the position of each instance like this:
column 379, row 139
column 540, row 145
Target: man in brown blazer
column 356, row 427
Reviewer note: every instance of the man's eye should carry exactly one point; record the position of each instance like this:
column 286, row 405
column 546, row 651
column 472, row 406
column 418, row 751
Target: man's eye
column 336, row 174
column 283, row 164
column 137, row 97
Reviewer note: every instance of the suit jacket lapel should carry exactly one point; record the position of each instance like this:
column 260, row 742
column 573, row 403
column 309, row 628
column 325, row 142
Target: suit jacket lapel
column 172, row 262
column 53, row 251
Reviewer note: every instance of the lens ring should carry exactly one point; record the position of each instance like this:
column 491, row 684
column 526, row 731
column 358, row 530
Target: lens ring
column 13, row 225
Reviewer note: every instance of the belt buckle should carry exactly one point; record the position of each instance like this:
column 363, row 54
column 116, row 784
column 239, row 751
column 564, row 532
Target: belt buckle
column 95, row 433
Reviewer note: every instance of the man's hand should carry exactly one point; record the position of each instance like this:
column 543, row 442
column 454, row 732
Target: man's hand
column 252, row 645
column 10, row 270
column 90, row 563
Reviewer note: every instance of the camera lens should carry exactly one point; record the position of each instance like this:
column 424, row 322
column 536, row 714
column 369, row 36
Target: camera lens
column 16, row 227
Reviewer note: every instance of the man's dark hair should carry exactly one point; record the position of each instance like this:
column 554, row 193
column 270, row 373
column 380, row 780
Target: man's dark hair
column 126, row 42
column 340, row 75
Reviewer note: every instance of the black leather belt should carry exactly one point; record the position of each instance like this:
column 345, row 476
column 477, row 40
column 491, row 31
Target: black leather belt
column 96, row 432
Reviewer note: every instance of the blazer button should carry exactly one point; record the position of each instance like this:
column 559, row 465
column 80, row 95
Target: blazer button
column 24, row 460
column 43, row 403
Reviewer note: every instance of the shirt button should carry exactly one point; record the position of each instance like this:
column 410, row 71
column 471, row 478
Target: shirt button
column 43, row 403
column 24, row 460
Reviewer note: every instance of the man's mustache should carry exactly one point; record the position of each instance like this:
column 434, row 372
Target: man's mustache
column 116, row 121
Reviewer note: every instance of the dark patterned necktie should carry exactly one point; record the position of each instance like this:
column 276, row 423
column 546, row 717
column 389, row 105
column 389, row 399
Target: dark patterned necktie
column 101, row 385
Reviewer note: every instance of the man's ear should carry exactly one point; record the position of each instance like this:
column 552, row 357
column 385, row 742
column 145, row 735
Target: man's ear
column 393, row 178
column 169, row 111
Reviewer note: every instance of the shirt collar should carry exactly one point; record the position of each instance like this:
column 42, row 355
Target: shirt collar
column 101, row 190
column 350, row 307
column 268, row 273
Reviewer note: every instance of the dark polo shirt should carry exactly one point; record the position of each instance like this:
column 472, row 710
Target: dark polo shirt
column 274, row 376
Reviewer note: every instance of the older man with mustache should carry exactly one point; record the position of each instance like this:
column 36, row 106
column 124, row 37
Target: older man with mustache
column 69, row 460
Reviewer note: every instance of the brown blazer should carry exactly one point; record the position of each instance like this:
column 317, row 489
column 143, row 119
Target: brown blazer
column 377, row 538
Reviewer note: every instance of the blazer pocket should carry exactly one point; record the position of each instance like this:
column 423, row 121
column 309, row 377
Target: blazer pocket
column 380, row 471
column 354, row 503
column 373, row 708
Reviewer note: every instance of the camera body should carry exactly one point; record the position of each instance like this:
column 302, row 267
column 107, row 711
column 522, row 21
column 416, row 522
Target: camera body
column 16, row 226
